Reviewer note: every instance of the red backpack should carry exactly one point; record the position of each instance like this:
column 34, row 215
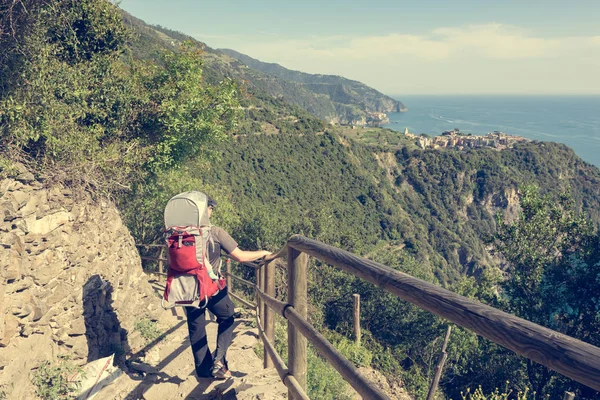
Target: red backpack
column 191, row 279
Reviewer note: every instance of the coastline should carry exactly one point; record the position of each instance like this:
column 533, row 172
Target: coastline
column 571, row 120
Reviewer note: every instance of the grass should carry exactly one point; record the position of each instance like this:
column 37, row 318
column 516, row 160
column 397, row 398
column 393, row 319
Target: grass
column 54, row 381
column 323, row 381
column 148, row 329
column 496, row 394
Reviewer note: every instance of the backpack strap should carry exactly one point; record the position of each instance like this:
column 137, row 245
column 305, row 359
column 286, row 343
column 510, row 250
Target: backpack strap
column 215, row 273
column 209, row 241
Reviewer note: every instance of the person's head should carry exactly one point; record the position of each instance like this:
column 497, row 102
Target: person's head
column 211, row 204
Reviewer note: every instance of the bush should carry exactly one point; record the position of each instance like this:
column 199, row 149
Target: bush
column 354, row 352
column 79, row 113
column 324, row 382
column 7, row 167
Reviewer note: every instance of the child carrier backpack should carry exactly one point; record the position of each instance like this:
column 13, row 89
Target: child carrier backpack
column 191, row 279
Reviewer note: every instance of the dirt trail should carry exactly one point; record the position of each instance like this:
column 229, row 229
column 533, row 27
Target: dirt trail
column 169, row 372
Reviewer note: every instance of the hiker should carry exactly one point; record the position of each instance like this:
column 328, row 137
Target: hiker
column 218, row 303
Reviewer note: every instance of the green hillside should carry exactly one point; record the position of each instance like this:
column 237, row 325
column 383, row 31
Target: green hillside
column 427, row 213
column 339, row 90
column 438, row 205
column 332, row 99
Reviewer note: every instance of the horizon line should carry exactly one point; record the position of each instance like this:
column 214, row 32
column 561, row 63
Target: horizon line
column 499, row 94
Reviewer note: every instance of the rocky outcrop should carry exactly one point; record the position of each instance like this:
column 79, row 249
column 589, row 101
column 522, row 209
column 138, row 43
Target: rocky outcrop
column 377, row 118
column 71, row 281
column 506, row 202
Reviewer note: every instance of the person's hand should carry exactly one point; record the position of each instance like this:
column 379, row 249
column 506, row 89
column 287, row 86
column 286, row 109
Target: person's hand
column 268, row 257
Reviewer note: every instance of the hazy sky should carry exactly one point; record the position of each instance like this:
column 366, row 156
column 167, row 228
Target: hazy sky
column 400, row 47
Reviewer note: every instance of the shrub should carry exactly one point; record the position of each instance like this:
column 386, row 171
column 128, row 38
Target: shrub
column 354, row 352
column 324, row 382
column 7, row 168
column 79, row 113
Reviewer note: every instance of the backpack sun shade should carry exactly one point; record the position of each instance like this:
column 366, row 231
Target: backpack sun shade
column 191, row 280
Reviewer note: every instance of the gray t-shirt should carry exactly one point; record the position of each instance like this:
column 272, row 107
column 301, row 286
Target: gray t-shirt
column 222, row 241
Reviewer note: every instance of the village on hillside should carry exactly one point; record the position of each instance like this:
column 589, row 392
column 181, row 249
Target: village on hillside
column 456, row 139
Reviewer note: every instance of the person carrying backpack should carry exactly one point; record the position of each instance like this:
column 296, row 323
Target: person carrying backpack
column 193, row 280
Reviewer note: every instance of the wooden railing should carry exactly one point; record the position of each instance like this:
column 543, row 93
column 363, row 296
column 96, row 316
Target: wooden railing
column 573, row 358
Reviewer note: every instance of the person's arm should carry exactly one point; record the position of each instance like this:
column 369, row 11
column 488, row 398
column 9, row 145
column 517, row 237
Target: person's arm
column 243, row 256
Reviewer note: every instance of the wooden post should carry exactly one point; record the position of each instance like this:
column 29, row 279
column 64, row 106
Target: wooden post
column 228, row 278
column 439, row 367
column 569, row 396
column 258, row 299
column 356, row 318
column 263, row 305
column 160, row 262
column 297, row 293
column 269, row 317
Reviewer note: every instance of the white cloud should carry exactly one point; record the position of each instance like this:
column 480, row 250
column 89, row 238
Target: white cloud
column 449, row 53
column 490, row 40
column 497, row 41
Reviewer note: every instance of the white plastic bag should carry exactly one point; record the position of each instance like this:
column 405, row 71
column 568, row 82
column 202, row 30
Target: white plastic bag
column 97, row 375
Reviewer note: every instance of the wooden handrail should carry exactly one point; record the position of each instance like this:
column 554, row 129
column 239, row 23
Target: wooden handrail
column 578, row 360
column 297, row 297
column 326, row 349
column 252, row 265
column 440, row 365
column 281, row 253
column 241, row 300
column 356, row 317
column 288, row 380
column 573, row 358
column 160, row 259
column 241, row 280
column 268, row 317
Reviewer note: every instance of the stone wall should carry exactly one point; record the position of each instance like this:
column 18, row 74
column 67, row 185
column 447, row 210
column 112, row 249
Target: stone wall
column 71, row 282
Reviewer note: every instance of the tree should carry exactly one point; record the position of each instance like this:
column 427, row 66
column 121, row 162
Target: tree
column 553, row 269
column 545, row 233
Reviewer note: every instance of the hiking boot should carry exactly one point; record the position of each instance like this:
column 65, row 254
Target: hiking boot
column 220, row 371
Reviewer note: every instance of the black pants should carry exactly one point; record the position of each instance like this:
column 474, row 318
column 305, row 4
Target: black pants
column 222, row 307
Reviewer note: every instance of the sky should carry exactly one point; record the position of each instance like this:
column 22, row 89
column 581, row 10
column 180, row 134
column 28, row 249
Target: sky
column 406, row 48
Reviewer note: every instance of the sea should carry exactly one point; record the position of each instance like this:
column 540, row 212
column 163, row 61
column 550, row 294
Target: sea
column 572, row 120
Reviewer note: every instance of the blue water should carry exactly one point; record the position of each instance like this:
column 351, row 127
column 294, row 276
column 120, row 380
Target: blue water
column 572, row 120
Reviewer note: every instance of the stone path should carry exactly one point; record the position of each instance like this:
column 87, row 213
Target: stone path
column 169, row 372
